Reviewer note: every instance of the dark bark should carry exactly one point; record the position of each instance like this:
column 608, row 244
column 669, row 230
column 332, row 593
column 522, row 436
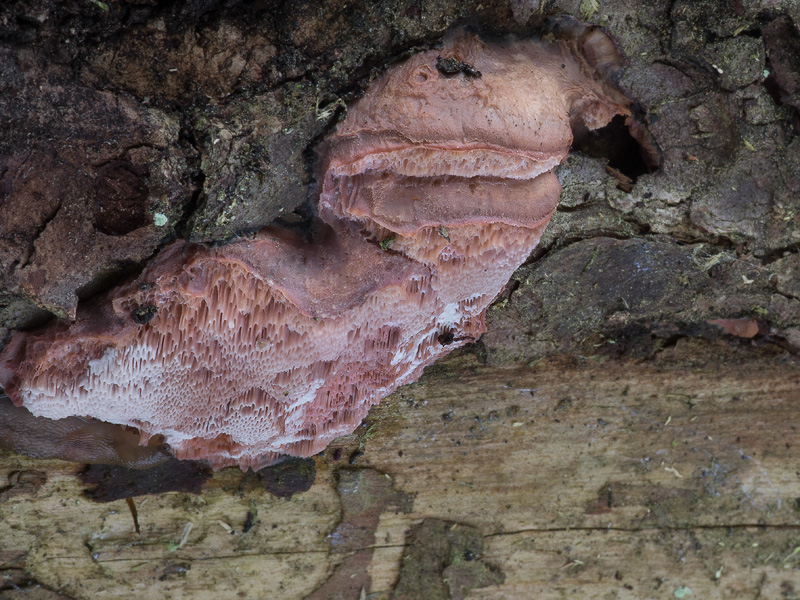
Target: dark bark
column 127, row 124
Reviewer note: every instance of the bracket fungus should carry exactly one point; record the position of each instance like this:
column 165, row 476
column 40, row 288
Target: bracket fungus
column 434, row 189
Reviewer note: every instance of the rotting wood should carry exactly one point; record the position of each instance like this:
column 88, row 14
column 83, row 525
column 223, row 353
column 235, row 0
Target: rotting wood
column 569, row 507
column 634, row 479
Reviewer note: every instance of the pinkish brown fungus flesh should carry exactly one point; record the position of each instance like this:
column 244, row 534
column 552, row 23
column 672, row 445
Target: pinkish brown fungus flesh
column 434, row 189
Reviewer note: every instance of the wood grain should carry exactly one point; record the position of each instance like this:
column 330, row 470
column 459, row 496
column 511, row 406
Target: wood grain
column 586, row 478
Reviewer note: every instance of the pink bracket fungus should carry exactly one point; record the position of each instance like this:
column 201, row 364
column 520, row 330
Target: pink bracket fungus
column 434, row 189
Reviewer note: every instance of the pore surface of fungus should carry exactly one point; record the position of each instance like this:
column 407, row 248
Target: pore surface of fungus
column 434, row 189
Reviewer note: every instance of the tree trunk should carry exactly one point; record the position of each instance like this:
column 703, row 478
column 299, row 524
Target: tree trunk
column 626, row 428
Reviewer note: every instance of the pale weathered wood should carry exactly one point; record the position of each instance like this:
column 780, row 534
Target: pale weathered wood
column 589, row 479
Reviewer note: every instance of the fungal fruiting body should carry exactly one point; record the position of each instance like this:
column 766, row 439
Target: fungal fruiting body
column 434, row 189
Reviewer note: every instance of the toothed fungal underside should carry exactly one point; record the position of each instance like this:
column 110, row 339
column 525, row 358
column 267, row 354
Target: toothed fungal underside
column 434, row 189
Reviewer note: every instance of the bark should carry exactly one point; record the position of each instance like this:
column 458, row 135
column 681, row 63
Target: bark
column 625, row 428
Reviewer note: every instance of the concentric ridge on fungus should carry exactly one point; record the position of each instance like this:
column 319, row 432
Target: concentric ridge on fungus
column 435, row 188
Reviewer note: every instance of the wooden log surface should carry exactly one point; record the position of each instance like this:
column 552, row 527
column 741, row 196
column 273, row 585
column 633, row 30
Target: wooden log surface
column 671, row 476
column 675, row 477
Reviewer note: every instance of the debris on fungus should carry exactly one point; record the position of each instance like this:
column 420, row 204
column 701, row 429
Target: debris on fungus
column 276, row 345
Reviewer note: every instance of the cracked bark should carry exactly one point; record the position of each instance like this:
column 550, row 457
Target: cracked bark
column 600, row 369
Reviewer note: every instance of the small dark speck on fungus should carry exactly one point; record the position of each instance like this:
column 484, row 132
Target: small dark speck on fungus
column 453, row 66
column 143, row 314
column 434, row 189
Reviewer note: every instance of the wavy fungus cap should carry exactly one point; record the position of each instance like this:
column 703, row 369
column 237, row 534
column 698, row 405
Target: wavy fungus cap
column 434, row 189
